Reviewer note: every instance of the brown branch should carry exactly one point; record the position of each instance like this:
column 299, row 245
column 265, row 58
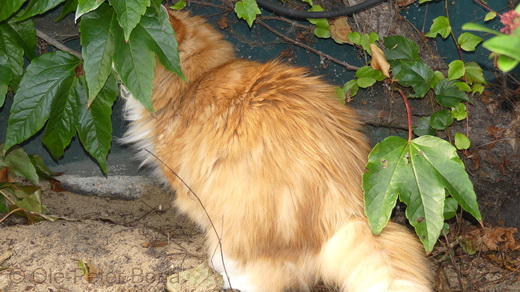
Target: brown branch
column 55, row 43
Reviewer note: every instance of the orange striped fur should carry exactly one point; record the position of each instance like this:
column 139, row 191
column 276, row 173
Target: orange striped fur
column 277, row 162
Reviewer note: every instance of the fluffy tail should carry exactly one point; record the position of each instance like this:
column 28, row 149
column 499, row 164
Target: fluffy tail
column 355, row 260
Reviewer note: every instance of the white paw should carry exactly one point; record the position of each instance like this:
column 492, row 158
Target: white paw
column 234, row 277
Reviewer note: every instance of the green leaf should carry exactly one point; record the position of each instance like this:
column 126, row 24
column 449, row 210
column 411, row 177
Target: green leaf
column 441, row 119
column 441, row 25
column 161, row 38
column 27, row 198
column 129, row 13
column 461, row 141
column 308, row 2
column 61, row 127
column 437, row 77
column 38, row 7
column 85, row 6
column 351, row 87
column 5, row 76
column 418, row 75
column 26, row 34
column 20, row 164
column 46, row 78
column 447, row 94
column 178, row 6
column 400, row 49
column 97, row 39
column 459, row 111
column 450, row 208
column 420, row 172
column 322, row 28
column 474, row 73
column 479, row 27
column 490, row 15
column 9, row 7
column 463, row 86
column 68, row 7
column 506, row 63
column 368, row 71
column 135, row 62
column 423, row 127
column 468, row 41
column 355, row 37
column 365, row 82
column 95, row 125
column 247, row 9
column 477, row 88
column 456, row 70
column 13, row 53
column 506, row 45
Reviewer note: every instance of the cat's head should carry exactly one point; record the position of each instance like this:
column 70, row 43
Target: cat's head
column 200, row 44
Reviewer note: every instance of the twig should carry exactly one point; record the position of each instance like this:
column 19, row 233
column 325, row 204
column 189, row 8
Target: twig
column 203, row 208
column 309, row 48
column 10, row 213
column 55, row 43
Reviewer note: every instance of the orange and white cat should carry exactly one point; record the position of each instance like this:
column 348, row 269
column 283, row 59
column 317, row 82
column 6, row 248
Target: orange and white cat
column 277, row 162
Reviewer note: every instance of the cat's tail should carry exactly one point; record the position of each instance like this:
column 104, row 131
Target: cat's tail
column 355, row 260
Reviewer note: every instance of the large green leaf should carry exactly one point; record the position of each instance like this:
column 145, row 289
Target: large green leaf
column 36, row 7
column 129, row 13
column 135, row 62
column 61, row 127
column 468, row 41
column 8, row 7
column 97, row 39
column 419, row 172
column 161, row 36
column 95, row 125
column 46, row 78
column 418, row 75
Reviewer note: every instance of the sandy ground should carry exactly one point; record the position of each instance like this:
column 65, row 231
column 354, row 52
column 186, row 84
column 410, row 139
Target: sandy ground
column 135, row 245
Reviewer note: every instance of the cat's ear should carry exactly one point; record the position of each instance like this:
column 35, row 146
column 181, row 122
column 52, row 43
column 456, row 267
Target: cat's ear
column 177, row 21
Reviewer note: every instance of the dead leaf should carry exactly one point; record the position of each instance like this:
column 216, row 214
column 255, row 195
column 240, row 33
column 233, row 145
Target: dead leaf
column 493, row 239
column 339, row 30
column 4, row 177
column 379, row 60
column 404, row 3
column 154, row 243
column 223, row 22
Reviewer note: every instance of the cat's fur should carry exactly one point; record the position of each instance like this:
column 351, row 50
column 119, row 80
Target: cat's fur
column 277, row 162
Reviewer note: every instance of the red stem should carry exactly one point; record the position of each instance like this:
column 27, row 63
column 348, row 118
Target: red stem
column 409, row 113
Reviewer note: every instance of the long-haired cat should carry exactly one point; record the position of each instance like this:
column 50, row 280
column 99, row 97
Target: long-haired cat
column 277, row 162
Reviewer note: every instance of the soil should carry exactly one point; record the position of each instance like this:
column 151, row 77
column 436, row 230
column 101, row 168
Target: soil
column 135, row 245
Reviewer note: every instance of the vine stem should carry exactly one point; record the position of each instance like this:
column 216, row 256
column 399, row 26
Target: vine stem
column 409, row 114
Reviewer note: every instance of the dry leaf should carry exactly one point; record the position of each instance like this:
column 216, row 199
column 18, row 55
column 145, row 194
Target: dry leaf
column 223, row 22
column 154, row 243
column 494, row 239
column 339, row 29
column 404, row 3
column 379, row 60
